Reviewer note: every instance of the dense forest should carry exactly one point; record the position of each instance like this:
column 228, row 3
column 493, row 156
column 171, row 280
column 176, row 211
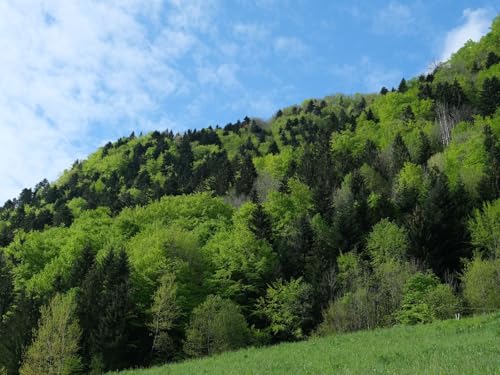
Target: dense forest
column 339, row 214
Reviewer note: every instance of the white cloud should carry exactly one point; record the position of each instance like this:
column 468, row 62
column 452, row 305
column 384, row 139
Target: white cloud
column 223, row 75
column 476, row 24
column 394, row 18
column 70, row 70
column 366, row 75
column 250, row 31
column 291, row 47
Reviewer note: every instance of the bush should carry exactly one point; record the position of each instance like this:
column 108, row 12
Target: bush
column 287, row 306
column 351, row 312
column 217, row 325
column 485, row 229
column 425, row 300
column 481, row 281
column 442, row 302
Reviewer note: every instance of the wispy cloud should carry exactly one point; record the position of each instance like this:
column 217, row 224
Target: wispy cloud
column 396, row 18
column 250, row 31
column 291, row 47
column 75, row 72
column 475, row 24
column 366, row 75
column 225, row 75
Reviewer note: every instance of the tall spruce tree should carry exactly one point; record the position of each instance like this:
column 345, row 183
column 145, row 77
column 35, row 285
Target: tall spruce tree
column 246, row 175
column 107, row 313
column 399, row 154
column 6, row 286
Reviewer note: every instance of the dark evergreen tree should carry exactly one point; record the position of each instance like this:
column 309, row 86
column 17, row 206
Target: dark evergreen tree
column 491, row 190
column 16, row 331
column 370, row 116
column 6, row 286
column 408, row 114
column 383, row 90
column 402, row 88
column 492, row 59
column 294, row 251
column 43, row 218
column 184, row 166
column 437, row 229
column 425, row 91
column 424, row 150
column 260, row 224
column 82, row 266
column 273, row 148
column 490, row 96
column 106, row 314
column 399, row 154
column 245, row 175
column 223, row 171
column 62, row 214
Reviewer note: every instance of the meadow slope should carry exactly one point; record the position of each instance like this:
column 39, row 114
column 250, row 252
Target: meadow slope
column 468, row 346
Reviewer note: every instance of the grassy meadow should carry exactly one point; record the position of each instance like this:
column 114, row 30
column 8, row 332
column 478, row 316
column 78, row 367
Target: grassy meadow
column 467, row 346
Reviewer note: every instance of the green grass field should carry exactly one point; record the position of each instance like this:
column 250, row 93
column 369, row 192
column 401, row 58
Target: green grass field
column 468, row 346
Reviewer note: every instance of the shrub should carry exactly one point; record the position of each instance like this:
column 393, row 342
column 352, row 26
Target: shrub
column 481, row 281
column 286, row 306
column 217, row 325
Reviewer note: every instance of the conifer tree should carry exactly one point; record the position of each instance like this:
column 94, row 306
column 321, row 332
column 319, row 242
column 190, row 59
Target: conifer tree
column 260, row 224
column 490, row 96
column 402, row 88
column 399, row 154
column 424, row 149
column 6, row 286
column 246, row 175
column 106, row 313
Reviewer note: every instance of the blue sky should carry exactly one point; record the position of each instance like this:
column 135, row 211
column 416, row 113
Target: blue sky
column 76, row 74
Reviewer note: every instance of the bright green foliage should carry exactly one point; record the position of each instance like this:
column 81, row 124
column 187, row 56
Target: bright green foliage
column 216, row 326
column 242, row 263
column 350, row 271
column 275, row 164
column 287, row 209
column 465, row 158
column 286, row 306
column 410, row 187
column 346, row 194
column 414, row 309
column 164, row 311
column 55, row 346
column 425, row 299
column 443, row 302
column 167, row 248
column 481, row 280
column 387, row 242
column 485, row 229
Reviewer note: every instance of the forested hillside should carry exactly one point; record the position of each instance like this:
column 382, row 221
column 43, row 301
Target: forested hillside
column 339, row 214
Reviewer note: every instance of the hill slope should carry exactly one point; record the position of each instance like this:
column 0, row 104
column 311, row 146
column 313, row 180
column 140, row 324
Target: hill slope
column 336, row 215
column 468, row 346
